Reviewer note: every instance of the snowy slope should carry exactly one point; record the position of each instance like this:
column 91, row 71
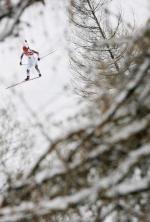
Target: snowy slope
column 46, row 100
column 46, row 97
column 48, row 30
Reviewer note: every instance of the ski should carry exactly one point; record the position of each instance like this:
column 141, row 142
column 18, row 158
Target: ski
column 22, row 82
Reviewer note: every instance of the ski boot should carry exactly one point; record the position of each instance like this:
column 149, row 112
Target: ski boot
column 28, row 77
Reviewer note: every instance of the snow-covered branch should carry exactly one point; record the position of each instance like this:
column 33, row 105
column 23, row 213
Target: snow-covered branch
column 29, row 209
column 10, row 17
column 130, row 187
column 18, row 10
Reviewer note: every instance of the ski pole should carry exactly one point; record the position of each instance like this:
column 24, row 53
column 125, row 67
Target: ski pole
column 48, row 54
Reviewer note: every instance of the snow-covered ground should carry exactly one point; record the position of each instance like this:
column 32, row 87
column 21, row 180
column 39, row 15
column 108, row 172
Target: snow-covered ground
column 48, row 31
column 46, row 100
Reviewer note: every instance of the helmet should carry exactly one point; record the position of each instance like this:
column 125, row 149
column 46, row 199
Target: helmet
column 25, row 48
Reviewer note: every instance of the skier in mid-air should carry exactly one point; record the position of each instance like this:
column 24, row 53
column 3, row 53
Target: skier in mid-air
column 32, row 59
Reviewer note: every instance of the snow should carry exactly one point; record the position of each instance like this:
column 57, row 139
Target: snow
column 132, row 186
column 46, row 95
column 50, row 104
column 135, row 11
column 129, row 130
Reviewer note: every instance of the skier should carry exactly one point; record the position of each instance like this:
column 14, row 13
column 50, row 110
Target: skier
column 32, row 60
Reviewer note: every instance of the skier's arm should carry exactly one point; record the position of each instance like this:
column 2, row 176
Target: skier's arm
column 21, row 58
column 36, row 53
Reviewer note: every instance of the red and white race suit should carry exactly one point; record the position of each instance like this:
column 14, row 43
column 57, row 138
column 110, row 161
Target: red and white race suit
column 32, row 60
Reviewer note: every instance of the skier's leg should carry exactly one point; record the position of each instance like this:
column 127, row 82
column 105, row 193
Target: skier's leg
column 28, row 74
column 37, row 69
column 28, row 68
